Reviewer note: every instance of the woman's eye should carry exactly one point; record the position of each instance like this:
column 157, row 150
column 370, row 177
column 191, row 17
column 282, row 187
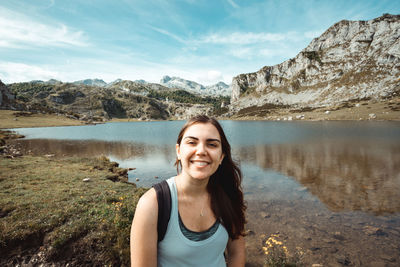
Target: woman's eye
column 212, row 145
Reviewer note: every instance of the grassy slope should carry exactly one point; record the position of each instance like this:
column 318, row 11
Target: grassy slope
column 9, row 120
column 384, row 110
column 48, row 212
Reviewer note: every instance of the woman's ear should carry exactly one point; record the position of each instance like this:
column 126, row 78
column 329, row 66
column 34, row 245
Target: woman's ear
column 222, row 158
column 177, row 148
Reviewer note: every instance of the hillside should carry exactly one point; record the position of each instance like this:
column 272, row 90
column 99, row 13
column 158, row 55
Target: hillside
column 121, row 99
column 351, row 61
column 7, row 99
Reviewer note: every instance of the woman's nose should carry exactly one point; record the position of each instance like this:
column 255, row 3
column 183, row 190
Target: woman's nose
column 200, row 149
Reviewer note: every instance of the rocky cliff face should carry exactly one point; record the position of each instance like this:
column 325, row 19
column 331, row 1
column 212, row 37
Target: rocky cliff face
column 7, row 99
column 351, row 60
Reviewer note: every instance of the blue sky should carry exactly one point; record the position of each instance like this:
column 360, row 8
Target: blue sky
column 201, row 40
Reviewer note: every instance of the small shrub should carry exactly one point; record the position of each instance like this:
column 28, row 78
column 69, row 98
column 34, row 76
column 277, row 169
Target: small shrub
column 313, row 55
column 278, row 255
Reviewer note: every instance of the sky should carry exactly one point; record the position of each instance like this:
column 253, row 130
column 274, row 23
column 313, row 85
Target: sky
column 205, row 41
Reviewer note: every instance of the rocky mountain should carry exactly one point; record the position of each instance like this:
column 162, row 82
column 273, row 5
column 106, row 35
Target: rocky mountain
column 220, row 88
column 176, row 82
column 120, row 99
column 86, row 102
column 352, row 60
column 169, row 82
column 139, row 86
column 51, row 81
column 7, row 99
column 193, row 87
column 94, row 82
column 114, row 82
column 141, row 81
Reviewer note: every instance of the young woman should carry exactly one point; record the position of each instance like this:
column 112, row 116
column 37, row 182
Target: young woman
column 207, row 213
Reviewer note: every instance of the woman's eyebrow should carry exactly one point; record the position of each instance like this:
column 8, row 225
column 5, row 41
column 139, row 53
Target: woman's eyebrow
column 191, row 137
column 208, row 140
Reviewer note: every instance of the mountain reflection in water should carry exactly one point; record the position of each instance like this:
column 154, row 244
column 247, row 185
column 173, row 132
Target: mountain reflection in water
column 71, row 148
column 319, row 185
column 344, row 176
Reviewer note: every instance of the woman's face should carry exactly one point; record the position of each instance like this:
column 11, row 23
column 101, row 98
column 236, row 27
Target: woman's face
column 200, row 150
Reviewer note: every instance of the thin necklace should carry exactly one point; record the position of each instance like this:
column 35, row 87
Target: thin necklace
column 201, row 212
column 204, row 203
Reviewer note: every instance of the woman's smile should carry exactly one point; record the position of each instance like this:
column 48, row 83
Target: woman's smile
column 199, row 163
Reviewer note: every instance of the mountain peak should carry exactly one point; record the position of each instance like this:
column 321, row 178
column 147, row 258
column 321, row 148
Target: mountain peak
column 165, row 79
column 351, row 60
column 93, row 82
column 175, row 82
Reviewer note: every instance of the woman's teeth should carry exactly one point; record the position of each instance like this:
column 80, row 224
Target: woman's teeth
column 200, row 163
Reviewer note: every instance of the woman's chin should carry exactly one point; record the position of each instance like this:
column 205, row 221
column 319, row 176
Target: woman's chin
column 198, row 175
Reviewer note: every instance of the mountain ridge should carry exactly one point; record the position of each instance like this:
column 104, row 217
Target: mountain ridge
column 350, row 60
column 217, row 89
column 119, row 99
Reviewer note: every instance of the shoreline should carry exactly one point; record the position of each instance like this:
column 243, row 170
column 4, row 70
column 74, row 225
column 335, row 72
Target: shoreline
column 363, row 111
column 84, row 218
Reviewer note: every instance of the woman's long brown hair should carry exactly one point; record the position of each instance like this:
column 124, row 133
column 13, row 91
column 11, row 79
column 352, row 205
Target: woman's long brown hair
column 224, row 185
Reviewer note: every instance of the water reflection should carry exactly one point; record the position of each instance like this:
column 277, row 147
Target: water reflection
column 343, row 175
column 148, row 161
column 297, row 177
column 71, row 148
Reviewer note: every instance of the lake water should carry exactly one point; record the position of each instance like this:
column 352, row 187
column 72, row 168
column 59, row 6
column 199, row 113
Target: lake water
column 330, row 188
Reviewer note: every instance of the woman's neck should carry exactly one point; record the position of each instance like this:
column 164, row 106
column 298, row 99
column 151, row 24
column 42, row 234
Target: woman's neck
column 191, row 186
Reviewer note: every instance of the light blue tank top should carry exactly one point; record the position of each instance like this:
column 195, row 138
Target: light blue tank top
column 177, row 250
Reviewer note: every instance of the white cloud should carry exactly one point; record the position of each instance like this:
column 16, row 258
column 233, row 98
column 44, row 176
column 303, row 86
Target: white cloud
column 247, row 38
column 167, row 33
column 232, row 3
column 210, row 77
column 19, row 72
column 109, row 71
column 19, row 31
column 242, row 52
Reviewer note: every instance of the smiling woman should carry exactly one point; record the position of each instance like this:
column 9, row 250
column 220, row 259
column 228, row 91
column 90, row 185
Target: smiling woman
column 199, row 152
column 207, row 211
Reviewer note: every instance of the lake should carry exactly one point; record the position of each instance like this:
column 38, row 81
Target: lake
column 328, row 189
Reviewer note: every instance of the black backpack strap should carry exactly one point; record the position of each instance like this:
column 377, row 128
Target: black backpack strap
column 164, row 207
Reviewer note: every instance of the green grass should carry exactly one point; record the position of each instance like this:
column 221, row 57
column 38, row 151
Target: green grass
column 45, row 203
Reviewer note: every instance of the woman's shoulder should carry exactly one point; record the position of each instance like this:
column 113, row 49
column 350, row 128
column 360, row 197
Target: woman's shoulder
column 148, row 199
column 146, row 212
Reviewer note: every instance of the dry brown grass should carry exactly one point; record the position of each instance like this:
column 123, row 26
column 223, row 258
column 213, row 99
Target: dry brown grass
column 8, row 119
column 384, row 110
